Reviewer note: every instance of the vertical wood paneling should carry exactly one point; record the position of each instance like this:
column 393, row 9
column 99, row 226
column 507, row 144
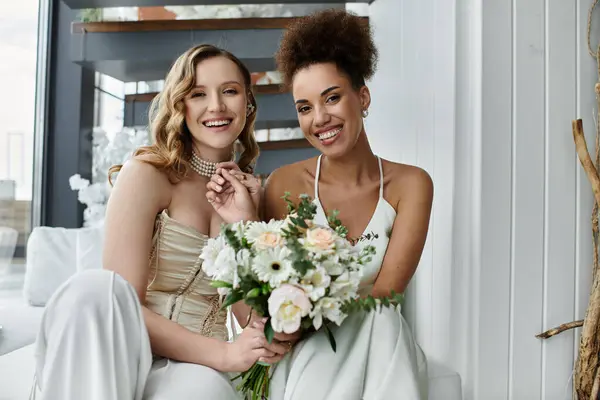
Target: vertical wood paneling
column 559, row 297
column 424, row 63
column 520, row 226
column 467, row 197
column 413, row 109
column 526, row 267
column 496, row 193
column 408, row 74
column 443, row 170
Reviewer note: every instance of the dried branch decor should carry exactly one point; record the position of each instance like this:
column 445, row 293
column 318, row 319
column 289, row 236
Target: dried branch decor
column 586, row 383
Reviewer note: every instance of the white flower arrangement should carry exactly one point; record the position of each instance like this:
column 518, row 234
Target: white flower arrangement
column 298, row 274
column 244, row 10
column 106, row 153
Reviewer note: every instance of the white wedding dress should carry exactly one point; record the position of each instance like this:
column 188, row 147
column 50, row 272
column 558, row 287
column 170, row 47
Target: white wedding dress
column 376, row 358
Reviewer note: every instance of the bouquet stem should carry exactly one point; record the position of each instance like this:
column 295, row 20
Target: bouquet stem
column 255, row 382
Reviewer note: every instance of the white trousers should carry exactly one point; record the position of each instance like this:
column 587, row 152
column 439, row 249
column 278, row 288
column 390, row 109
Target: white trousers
column 93, row 345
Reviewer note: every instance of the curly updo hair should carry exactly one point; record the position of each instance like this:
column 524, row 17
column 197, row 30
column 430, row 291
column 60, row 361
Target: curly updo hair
column 335, row 36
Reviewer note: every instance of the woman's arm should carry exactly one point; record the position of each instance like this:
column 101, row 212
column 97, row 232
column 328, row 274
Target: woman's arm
column 280, row 181
column 140, row 193
column 408, row 233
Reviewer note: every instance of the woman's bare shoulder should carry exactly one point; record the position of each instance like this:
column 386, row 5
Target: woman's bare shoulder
column 141, row 167
column 294, row 173
column 292, row 178
column 144, row 179
column 405, row 181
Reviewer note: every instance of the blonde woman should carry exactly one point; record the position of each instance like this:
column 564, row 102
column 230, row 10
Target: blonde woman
column 149, row 325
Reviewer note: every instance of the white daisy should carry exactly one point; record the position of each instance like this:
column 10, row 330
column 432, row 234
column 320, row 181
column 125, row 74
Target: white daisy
column 271, row 265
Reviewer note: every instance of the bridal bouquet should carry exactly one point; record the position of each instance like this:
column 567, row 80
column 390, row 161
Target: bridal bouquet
column 299, row 274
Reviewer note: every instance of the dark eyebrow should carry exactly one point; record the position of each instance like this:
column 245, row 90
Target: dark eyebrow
column 323, row 93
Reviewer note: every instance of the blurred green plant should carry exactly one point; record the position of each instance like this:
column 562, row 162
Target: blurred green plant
column 90, row 15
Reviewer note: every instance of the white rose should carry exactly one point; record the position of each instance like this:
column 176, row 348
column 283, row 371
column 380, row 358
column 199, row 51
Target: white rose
column 265, row 235
column 287, row 306
column 268, row 239
column 327, row 308
column 319, row 240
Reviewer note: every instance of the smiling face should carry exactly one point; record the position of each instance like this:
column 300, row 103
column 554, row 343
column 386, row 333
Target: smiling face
column 329, row 108
column 216, row 107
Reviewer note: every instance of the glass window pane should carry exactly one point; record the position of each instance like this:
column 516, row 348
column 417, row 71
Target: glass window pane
column 18, row 29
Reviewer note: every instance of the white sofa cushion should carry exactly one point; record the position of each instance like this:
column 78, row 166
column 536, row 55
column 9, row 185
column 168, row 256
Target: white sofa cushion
column 20, row 325
column 17, row 370
column 54, row 255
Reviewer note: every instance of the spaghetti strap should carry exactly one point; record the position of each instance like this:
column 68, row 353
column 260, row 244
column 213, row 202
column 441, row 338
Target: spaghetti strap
column 317, row 173
column 380, row 178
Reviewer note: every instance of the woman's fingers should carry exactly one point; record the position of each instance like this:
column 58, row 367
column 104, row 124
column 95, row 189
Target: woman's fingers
column 284, row 337
column 271, row 360
column 262, row 352
column 278, row 347
column 229, row 165
column 217, row 178
column 212, row 197
column 233, row 181
column 214, row 187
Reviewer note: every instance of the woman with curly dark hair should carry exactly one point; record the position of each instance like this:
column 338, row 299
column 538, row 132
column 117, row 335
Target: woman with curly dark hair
column 326, row 58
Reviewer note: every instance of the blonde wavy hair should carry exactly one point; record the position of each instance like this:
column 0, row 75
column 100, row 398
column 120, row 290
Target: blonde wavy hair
column 172, row 140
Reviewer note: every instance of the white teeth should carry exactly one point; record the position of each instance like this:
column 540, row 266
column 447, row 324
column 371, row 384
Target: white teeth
column 329, row 134
column 217, row 123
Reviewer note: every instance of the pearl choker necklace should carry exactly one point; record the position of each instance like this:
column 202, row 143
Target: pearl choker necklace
column 203, row 167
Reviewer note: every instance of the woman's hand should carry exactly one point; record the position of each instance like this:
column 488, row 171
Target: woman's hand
column 232, row 205
column 251, row 346
column 291, row 338
column 251, row 182
column 288, row 341
column 279, row 347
